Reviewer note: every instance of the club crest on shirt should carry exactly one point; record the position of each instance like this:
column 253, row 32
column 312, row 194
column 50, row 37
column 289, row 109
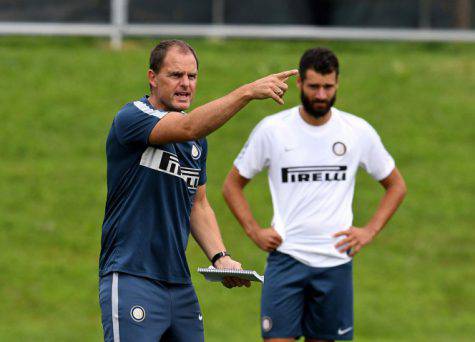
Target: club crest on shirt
column 266, row 324
column 195, row 152
column 137, row 313
column 339, row 148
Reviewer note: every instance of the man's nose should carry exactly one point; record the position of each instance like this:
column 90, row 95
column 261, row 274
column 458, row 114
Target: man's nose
column 185, row 82
column 321, row 94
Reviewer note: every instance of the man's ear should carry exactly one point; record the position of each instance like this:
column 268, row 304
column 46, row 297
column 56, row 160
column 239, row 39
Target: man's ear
column 152, row 78
column 337, row 81
column 299, row 82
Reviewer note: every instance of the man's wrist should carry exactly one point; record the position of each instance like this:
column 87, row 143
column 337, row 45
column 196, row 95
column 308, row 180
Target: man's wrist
column 218, row 256
column 374, row 230
column 223, row 262
column 252, row 230
column 251, row 233
column 245, row 93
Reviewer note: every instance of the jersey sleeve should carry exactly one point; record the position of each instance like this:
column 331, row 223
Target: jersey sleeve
column 133, row 127
column 204, row 152
column 255, row 155
column 375, row 159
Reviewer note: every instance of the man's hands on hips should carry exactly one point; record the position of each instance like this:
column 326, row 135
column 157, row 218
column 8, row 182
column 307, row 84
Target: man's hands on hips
column 226, row 262
column 355, row 239
column 266, row 239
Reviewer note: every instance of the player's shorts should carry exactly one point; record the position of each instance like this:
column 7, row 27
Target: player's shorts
column 140, row 309
column 298, row 300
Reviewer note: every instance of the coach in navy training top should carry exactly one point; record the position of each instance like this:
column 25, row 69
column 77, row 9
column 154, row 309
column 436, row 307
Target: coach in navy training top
column 156, row 180
column 151, row 191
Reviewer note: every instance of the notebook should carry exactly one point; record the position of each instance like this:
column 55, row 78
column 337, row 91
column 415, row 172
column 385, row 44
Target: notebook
column 214, row 274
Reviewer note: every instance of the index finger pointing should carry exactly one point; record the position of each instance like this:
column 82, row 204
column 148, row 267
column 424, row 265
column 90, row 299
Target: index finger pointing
column 286, row 74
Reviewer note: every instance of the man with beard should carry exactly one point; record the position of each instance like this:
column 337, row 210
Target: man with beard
column 312, row 153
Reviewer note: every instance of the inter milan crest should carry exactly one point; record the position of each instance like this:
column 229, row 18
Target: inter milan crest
column 339, row 148
column 266, row 324
column 137, row 313
column 195, row 151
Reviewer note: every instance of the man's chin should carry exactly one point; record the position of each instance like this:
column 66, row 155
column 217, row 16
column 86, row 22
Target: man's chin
column 319, row 111
column 321, row 108
column 180, row 106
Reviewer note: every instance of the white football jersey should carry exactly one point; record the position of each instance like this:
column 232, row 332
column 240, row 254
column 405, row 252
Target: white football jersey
column 312, row 173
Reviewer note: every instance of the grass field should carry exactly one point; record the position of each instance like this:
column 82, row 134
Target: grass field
column 59, row 95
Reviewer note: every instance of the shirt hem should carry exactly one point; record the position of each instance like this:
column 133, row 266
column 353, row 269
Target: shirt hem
column 178, row 280
column 386, row 174
column 149, row 132
column 243, row 173
column 338, row 262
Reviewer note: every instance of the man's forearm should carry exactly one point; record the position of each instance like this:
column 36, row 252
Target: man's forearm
column 201, row 121
column 234, row 197
column 175, row 127
column 205, row 229
column 387, row 207
column 266, row 239
column 212, row 115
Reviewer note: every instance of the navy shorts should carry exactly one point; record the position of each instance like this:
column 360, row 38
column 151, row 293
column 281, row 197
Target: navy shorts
column 299, row 300
column 142, row 309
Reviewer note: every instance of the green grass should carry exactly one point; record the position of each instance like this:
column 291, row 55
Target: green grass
column 59, row 95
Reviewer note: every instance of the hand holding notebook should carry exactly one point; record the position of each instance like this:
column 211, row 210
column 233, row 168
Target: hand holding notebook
column 214, row 274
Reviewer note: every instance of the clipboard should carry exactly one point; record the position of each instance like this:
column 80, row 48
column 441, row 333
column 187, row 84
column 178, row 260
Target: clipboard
column 214, row 274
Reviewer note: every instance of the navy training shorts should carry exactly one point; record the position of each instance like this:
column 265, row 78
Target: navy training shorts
column 311, row 301
column 141, row 309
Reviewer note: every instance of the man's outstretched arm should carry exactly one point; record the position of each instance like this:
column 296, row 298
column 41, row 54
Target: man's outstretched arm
column 205, row 230
column 200, row 122
column 233, row 192
column 356, row 238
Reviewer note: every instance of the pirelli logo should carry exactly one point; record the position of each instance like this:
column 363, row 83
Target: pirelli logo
column 295, row 174
column 166, row 162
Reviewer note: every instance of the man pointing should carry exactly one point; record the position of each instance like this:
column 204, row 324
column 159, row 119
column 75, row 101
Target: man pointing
column 156, row 180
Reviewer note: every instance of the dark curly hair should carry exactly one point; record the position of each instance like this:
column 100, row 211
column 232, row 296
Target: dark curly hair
column 320, row 59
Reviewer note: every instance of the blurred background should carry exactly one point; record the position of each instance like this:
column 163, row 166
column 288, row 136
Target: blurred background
column 67, row 67
column 349, row 13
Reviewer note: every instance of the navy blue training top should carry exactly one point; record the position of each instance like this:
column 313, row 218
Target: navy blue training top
column 150, row 192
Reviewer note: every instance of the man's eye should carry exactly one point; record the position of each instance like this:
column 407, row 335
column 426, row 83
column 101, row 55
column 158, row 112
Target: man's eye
column 192, row 77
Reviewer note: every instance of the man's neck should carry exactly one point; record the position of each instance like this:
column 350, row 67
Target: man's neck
column 311, row 120
column 156, row 104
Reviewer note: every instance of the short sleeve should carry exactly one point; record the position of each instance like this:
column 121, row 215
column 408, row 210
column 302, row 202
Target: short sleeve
column 204, row 155
column 255, row 155
column 133, row 127
column 375, row 159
